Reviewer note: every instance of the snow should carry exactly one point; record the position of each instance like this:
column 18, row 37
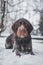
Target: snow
column 9, row 58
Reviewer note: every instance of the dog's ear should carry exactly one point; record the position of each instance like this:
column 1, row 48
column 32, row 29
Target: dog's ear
column 29, row 26
column 16, row 25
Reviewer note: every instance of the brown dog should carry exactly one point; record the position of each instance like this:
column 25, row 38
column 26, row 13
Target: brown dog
column 22, row 28
column 20, row 40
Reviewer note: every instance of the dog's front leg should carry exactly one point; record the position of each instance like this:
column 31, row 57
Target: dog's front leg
column 16, row 49
column 14, row 46
column 30, row 50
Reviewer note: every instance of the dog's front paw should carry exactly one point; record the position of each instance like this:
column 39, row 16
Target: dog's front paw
column 32, row 53
column 18, row 53
column 12, row 50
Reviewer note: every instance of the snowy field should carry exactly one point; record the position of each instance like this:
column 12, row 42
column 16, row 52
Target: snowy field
column 9, row 58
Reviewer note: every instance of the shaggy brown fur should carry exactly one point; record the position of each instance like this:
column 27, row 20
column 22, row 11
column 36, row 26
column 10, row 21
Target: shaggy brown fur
column 22, row 29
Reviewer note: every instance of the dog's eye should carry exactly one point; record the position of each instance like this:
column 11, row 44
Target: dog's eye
column 20, row 23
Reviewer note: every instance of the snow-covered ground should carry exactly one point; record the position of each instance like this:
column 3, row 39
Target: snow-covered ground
column 9, row 58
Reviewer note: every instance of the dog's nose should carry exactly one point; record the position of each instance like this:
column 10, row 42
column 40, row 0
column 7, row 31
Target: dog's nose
column 22, row 27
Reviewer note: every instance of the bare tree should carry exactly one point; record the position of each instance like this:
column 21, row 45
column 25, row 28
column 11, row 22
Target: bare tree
column 2, row 18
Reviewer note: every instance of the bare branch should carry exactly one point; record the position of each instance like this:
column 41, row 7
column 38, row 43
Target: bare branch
column 15, row 4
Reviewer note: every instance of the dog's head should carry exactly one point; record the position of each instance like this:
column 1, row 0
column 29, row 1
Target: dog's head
column 22, row 27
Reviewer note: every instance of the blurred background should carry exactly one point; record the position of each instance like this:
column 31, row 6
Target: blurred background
column 11, row 10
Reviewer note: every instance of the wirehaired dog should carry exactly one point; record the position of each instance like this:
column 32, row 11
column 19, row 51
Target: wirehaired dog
column 20, row 40
column 22, row 28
